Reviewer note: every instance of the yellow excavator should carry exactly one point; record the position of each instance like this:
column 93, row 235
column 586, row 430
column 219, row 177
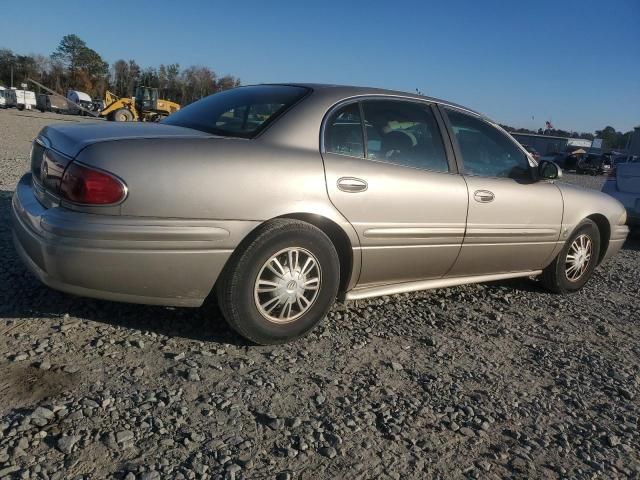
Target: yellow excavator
column 144, row 107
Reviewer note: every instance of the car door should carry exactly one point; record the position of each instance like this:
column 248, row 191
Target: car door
column 389, row 173
column 513, row 222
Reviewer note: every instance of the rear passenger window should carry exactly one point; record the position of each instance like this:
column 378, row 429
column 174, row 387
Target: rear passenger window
column 344, row 132
column 404, row 133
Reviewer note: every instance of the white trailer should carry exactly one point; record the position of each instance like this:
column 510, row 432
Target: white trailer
column 3, row 100
column 79, row 98
column 21, row 99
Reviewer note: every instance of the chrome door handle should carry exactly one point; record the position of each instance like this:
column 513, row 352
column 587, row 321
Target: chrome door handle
column 352, row 184
column 483, row 196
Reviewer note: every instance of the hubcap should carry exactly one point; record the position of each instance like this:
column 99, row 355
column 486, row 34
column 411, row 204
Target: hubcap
column 287, row 285
column 578, row 257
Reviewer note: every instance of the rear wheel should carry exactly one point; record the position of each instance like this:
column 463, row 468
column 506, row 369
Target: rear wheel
column 575, row 263
column 281, row 283
column 122, row 115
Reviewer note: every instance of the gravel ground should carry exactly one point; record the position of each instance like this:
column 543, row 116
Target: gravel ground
column 483, row 381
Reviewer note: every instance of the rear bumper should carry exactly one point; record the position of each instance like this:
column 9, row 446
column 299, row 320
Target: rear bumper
column 128, row 259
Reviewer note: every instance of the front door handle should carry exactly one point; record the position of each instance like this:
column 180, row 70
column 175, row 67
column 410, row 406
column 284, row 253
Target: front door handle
column 483, row 196
column 352, row 184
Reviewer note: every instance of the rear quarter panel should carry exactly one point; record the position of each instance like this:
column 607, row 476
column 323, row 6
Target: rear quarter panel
column 213, row 178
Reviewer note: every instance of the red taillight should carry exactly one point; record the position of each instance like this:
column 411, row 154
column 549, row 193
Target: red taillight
column 82, row 184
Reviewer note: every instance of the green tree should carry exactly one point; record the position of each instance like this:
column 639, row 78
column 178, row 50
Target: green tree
column 227, row 82
column 120, row 77
column 612, row 139
column 133, row 78
column 91, row 62
column 7, row 62
column 608, row 135
column 85, row 67
column 69, row 52
column 173, row 83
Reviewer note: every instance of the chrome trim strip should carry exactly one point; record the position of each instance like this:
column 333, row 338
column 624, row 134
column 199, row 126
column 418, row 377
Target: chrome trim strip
column 379, row 290
column 474, row 232
column 437, row 245
column 134, row 230
column 413, row 232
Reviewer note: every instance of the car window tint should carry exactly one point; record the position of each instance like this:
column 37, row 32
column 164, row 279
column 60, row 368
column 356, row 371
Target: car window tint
column 344, row 132
column 240, row 112
column 404, row 133
column 485, row 150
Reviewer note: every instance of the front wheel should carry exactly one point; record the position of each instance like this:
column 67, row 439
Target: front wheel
column 577, row 260
column 280, row 283
column 122, row 115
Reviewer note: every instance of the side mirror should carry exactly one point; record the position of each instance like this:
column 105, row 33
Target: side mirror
column 549, row 170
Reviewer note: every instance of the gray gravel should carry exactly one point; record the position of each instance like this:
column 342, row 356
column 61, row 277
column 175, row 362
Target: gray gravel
column 483, row 381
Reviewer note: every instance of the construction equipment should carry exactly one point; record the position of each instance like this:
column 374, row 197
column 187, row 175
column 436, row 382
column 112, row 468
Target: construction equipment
column 145, row 106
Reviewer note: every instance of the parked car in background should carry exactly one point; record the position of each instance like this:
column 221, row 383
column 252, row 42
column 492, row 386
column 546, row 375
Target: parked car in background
column 534, row 153
column 624, row 186
column 278, row 199
column 593, row 164
column 52, row 103
column 3, row 100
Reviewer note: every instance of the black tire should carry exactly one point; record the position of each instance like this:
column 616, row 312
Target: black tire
column 555, row 278
column 235, row 288
column 122, row 115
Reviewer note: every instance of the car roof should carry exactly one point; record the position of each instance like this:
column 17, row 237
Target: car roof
column 353, row 91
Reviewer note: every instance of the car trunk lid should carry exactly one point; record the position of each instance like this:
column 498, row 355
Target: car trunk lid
column 628, row 177
column 57, row 145
column 71, row 139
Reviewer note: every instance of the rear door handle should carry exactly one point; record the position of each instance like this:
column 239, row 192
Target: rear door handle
column 352, row 184
column 483, row 196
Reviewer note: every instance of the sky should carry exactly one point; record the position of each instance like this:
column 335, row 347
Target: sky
column 575, row 63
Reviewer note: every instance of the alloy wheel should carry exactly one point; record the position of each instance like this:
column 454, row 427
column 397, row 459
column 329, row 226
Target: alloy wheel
column 287, row 285
column 578, row 257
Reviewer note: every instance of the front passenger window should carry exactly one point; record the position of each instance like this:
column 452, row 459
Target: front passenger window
column 485, row 150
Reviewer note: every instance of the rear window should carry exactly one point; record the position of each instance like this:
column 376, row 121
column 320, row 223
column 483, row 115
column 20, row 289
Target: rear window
column 240, row 112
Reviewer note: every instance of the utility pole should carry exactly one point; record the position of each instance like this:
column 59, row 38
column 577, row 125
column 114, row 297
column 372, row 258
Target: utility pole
column 11, row 76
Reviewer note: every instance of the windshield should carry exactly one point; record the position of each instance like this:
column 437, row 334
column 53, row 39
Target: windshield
column 240, row 112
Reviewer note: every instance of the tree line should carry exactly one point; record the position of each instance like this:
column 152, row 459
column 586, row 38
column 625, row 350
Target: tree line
column 611, row 138
column 74, row 65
